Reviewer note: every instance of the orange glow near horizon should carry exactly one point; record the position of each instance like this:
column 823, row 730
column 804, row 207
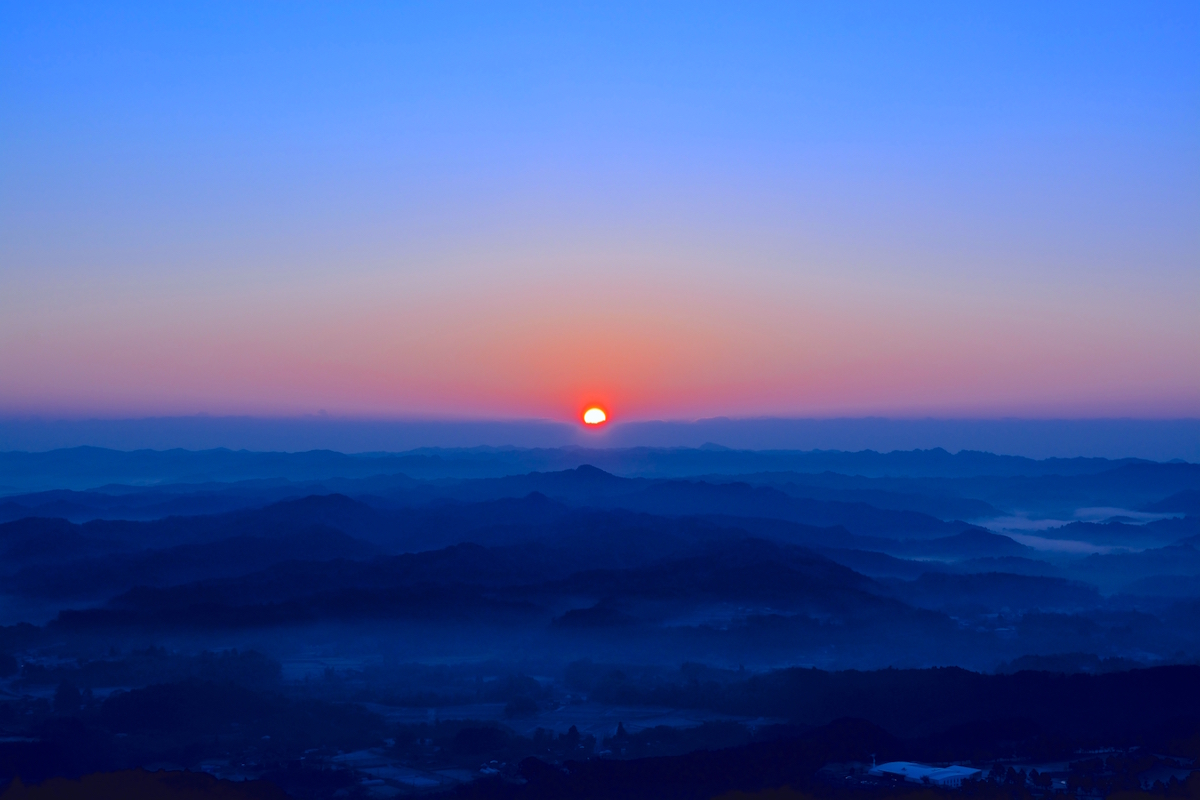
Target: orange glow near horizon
column 594, row 416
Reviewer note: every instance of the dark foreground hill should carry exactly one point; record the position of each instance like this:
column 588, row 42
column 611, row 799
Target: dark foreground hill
column 138, row 784
column 830, row 718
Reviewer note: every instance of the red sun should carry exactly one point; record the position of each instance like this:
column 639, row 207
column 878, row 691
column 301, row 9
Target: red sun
column 594, row 416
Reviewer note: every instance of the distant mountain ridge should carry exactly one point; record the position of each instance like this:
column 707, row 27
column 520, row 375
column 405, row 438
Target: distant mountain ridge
column 779, row 565
column 90, row 467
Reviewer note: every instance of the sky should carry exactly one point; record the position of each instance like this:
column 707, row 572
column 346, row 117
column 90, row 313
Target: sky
column 675, row 211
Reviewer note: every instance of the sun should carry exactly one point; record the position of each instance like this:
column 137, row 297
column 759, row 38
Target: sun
column 594, row 416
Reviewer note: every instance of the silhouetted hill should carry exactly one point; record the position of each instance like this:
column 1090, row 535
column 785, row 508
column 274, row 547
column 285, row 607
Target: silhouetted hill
column 1117, row 707
column 744, row 500
column 279, row 519
column 238, row 555
column 1148, row 476
column 1014, row 565
column 1113, row 570
column 396, row 529
column 144, row 505
column 89, row 467
column 1187, row 502
column 747, row 571
column 1068, row 664
column 971, row 543
column 48, row 541
column 833, row 486
column 1126, row 533
column 583, row 485
column 879, row 565
column 945, row 508
column 1130, row 485
column 942, row 715
column 996, row 591
column 587, row 486
column 138, row 784
column 536, row 518
column 1164, row 586
column 789, row 761
column 465, row 578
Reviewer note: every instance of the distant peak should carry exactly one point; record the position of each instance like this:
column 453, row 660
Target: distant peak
column 336, row 499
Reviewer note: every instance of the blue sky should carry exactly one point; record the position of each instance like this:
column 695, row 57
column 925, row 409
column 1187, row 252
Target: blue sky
column 677, row 210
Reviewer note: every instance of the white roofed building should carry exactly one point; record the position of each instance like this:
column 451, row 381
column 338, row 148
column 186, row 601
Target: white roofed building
column 950, row 777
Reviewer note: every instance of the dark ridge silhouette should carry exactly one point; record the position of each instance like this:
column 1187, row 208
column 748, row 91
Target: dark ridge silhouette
column 971, row 543
column 1118, row 707
column 89, row 467
column 138, row 784
column 744, row 500
column 606, row 613
column 975, row 543
column 788, row 762
column 995, row 591
column 144, row 505
column 238, row 555
column 1114, row 570
column 48, row 541
column 1068, row 664
column 1164, row 586
column 831, row 486
column 1125, row 532
column 1187, row 502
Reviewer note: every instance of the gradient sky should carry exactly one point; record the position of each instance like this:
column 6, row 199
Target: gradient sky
column 676, row 210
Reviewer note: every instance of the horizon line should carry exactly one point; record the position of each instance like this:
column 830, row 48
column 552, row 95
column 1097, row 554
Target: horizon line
column 321, row 417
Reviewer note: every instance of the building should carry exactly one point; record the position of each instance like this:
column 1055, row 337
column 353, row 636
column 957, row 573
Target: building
column 950, row 777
